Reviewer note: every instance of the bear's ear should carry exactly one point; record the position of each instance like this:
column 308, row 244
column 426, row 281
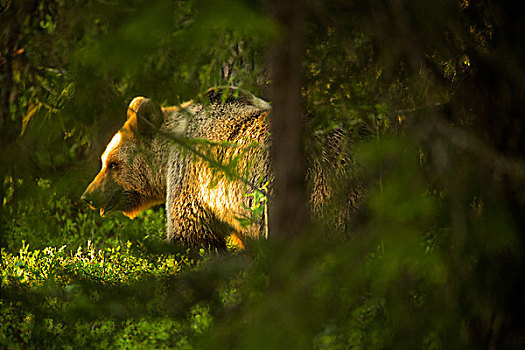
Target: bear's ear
column 149, row 116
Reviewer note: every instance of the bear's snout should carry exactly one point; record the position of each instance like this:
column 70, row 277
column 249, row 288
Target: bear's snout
column 88, row 199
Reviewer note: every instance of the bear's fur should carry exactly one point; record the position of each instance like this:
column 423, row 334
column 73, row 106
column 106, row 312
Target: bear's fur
column 142, row 166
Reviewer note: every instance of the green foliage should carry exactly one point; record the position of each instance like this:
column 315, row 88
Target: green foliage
column 258, row 208
column 51, row 218
column 429, row 93
column 58, row 278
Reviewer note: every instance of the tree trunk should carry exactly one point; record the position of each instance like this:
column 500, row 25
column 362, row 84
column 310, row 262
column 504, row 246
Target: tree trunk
column 288, row 211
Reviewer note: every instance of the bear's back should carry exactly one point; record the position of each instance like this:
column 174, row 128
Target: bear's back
column 230, row 119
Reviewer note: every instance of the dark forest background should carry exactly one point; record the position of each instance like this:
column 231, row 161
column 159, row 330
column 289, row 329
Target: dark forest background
column 431, row 93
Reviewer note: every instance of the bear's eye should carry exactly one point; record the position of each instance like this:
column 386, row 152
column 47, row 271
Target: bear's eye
column 113, row 165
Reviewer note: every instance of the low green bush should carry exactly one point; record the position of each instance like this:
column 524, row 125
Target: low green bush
column 49, row 293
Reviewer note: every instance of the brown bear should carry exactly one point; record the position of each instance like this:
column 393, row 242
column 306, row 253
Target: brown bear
column 178, row 155
column 147, row 162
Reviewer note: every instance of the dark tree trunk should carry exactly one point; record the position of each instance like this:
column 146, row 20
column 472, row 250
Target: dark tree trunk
column 495, row 94
column 289, row 213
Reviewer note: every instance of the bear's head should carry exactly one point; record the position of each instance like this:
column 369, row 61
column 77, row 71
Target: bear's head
column 130, row 179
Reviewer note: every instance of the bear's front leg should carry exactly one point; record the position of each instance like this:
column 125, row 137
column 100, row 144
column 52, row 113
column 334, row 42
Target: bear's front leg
column 193, row 224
